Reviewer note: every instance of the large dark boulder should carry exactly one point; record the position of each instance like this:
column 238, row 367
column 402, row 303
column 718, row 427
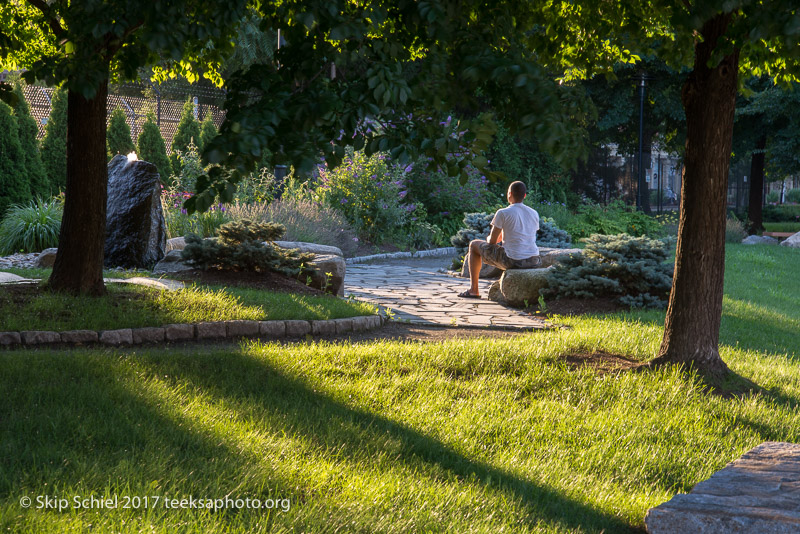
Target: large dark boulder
column 136, row 235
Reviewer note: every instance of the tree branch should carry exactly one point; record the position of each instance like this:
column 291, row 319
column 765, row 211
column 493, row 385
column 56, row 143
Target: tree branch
column 42, row 6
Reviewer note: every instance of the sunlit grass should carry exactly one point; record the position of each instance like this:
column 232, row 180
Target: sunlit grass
column 131, row 306
column 481, row 435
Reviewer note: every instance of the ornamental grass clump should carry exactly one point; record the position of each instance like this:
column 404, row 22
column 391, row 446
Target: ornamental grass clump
column 30, row 228
column 632, row 270
column 246, row 245
column 304, row 220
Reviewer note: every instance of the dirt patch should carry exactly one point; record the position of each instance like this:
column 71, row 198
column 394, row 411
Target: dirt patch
column 415, row 332
column 603, row 362
column 265, row 281
column 574, row 306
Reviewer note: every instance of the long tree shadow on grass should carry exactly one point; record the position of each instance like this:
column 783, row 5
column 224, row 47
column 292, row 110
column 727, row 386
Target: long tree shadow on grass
column 319, row 418
column 75, row 423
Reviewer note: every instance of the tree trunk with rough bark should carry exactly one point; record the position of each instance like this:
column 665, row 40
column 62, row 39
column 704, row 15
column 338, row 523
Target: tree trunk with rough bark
column 754, row 212
column 691, row 330
column 78, row 267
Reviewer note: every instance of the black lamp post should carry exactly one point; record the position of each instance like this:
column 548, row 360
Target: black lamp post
column 280, row 172
column 640, row 184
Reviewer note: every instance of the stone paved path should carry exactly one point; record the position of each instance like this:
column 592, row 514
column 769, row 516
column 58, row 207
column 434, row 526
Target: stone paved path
column 417, row 292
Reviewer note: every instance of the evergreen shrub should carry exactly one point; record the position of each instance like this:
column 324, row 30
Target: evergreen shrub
column 31, row 228
column 28, row 131
column 188, row 132
column 118, row 135
column 245, row 245
column 551, row 236
column 633, row 270
column 54, row 144
column 208, row 131
column 152, row 148
column 793, row 195
column 14, row 187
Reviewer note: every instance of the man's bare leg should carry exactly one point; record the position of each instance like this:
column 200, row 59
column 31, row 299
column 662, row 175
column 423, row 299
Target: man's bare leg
column 475, row 264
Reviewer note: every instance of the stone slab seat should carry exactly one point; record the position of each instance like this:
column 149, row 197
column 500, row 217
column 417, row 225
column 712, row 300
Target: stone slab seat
column 516, row 286
column 758, row 493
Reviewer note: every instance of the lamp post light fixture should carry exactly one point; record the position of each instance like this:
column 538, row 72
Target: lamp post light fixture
column 640, row 183
column 280, row 172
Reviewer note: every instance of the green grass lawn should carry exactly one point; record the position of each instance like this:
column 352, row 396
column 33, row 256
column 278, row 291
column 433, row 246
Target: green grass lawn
column 482, row 435
column 782, row 226
column 132, row 306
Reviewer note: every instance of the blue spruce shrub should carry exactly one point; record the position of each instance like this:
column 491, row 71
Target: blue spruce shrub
column 633, row 270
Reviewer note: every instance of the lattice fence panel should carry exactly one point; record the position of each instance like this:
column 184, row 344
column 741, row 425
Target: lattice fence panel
column 167, row 109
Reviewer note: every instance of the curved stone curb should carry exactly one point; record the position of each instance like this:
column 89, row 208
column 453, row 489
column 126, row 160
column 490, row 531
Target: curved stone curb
column 234, row 329
column 445, row 251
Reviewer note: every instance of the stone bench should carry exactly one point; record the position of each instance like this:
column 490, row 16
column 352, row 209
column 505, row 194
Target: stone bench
column 758, row 493
column 518, row 286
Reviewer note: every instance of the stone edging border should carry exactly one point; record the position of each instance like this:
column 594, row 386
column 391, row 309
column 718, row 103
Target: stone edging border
column 445, row 251
column 195, row 332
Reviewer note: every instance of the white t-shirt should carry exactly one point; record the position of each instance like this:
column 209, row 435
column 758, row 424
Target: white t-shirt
column 519, row 224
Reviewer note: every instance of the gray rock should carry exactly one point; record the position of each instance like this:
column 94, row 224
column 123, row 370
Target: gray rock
column 792, row 241
column 136, row 234
column 46, row 258
column 272, row 328
column 297, row 328
column 487, row 271
column 123, row 336
column 212, row 330
column 176, row 243
column 551, row 256
column 329, row 263
column 6, row 278
column 10, row 338
column 179, row 332
column 313, row 248
column 171, row 263
column 343, row 325
column 148, row 334
column 759, row 240
column 38, row 337
column 242, row 328
column 362, row 323
column 758, row 492
column 520, row 285
column 323, row 328
column 79, row 336
column 495, row 294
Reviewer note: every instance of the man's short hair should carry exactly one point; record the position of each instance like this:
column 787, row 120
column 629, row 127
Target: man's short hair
column 518, row 190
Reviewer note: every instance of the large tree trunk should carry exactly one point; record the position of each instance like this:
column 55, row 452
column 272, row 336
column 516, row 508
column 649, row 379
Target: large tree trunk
column 691, row 330
column 754, row 213
column 78, row 268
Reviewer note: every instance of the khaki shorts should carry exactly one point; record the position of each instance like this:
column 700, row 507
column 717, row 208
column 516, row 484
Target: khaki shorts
column 496, row 255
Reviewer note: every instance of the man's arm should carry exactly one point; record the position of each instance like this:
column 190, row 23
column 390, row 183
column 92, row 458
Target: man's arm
column 496, row 235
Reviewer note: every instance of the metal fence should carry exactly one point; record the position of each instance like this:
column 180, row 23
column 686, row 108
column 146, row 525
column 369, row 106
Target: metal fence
column 165, row 102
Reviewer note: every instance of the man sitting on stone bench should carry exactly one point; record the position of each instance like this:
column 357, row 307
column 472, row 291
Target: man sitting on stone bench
column 512, row 241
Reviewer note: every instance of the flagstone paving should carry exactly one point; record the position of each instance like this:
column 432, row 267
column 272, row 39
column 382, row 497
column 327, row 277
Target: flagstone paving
column 416, row 291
